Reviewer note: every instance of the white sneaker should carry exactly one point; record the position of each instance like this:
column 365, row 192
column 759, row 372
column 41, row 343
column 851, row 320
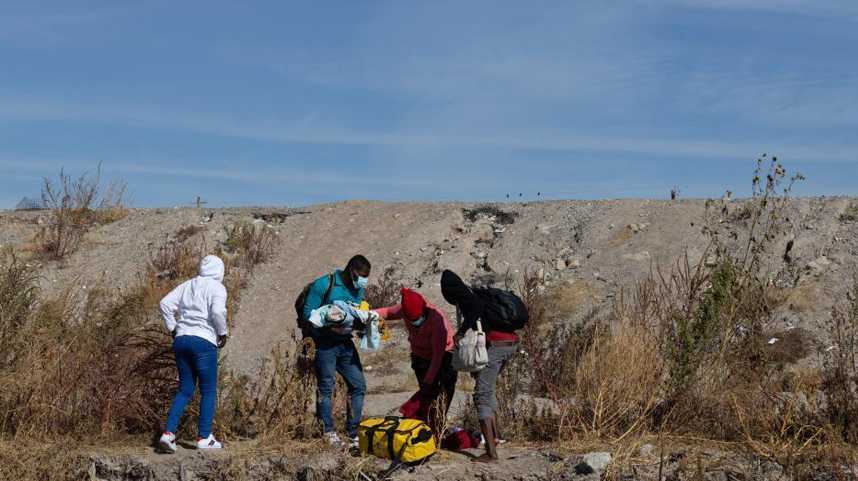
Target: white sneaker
column 334, row 439
column 168, row 442
column 354, row 443
column 209, row 443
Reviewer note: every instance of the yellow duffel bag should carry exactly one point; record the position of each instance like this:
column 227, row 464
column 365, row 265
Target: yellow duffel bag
column 409, row 441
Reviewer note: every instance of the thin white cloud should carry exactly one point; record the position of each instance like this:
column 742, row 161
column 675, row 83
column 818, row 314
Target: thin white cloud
column 12, row 110
column 165, row 168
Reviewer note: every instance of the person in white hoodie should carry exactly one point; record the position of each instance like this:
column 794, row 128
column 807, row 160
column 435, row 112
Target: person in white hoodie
column 198, row 331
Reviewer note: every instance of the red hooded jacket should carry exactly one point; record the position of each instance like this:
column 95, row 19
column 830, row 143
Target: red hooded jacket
column 431, row 340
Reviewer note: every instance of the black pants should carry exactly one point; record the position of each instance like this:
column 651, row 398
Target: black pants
column 444, row 387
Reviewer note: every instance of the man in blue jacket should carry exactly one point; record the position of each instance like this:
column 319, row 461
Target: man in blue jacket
column 335, row 350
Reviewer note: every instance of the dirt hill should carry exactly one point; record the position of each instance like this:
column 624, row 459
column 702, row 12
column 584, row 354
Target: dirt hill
column 588, row 252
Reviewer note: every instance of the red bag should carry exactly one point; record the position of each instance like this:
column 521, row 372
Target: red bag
column 460, row 439
column 417, row 407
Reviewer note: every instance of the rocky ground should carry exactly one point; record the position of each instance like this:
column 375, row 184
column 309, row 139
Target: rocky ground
column 518, row 463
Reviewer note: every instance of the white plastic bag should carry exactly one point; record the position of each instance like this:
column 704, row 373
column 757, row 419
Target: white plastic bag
column 371, row 339
column 470, row 354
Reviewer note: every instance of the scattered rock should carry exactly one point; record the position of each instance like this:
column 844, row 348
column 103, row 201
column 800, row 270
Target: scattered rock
column 573, row 263
column 597, row 462
column 819, row 265
column 647, row 450
column 635, row 228
column 560, row 264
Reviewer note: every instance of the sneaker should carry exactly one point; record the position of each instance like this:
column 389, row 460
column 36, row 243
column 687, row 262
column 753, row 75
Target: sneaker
column 208, row 443
column 334, row 439
column 167, row 443
column 354, row 443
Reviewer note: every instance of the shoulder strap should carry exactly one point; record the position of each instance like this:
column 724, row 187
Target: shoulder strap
column 327, row 299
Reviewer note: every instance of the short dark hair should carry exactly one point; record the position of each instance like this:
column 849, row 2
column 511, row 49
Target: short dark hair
column 358, row 263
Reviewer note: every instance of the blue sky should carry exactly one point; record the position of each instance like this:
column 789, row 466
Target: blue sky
column 290, row 103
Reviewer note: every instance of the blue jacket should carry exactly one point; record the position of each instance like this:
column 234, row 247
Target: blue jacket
column 340, row 292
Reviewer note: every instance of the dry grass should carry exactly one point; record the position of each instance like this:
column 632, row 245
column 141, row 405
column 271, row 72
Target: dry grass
column 99, row 362
column 252, row 244
column 566, row 299
column 617, row 385
column 39, row 461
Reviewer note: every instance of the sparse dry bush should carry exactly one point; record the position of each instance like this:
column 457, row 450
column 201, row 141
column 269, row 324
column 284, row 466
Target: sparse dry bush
column 76, row 206
column 840, row 369
column 172, row 260
column 254, row 244
column 274, row 406
column 384, row 291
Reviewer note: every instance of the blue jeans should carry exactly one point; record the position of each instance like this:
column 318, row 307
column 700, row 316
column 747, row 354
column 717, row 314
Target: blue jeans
column 339, row 356
column 196, row 360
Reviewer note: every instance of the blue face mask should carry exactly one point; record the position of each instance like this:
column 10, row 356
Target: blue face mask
column 362, row 282
column 418, row 321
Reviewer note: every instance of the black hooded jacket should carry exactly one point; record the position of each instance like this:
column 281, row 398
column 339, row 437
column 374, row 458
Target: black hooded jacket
column 456, row 292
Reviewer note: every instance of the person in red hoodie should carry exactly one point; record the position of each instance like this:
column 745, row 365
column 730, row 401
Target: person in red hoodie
column 431, row 337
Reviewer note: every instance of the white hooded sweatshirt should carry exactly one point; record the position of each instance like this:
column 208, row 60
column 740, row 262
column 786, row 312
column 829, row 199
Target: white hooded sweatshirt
column 200, row 302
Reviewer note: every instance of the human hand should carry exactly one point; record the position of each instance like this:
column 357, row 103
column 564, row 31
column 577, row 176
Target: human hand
column 221, row 341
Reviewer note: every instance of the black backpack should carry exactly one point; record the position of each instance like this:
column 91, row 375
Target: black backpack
column 504, row 311
column 304, row 324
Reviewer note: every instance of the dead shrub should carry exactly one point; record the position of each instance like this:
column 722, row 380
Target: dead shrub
column 172, row 260
column 274, row 406
column 254, row 244
column 840, row 369
column 384, row 291
column 76, row 206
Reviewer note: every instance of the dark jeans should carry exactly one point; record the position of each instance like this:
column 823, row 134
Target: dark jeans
column 339, row 356
column 444, row 388
column 487, row 379
column 196, row 360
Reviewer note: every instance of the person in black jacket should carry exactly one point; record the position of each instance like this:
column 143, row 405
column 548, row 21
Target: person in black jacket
column 501, row 346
